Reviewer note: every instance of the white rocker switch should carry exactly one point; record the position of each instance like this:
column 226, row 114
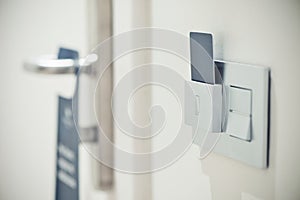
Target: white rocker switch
column 239, row 115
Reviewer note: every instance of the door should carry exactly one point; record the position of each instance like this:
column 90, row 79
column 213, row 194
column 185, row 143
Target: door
column 29, row 101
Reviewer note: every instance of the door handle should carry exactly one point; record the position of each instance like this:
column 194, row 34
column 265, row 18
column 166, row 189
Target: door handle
column 88, row 130
column 49, row 64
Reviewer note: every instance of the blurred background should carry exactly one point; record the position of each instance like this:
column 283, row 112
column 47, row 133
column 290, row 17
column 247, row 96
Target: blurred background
column 259, row 32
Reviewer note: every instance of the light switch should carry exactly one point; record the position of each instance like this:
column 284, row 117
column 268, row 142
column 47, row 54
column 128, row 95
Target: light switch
column 239, row 126
column 239, row 116
column 240, row 100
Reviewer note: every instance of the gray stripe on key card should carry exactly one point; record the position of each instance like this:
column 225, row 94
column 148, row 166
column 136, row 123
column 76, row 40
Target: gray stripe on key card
column 201, row 48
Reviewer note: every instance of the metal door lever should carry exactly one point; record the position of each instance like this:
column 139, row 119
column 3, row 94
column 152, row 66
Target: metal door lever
column 49, row 64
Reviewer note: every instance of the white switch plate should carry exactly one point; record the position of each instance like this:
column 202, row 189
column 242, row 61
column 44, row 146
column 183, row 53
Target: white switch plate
column 256, row 79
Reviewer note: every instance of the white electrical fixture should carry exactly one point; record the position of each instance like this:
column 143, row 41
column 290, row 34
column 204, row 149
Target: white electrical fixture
column 234, row 106
column 237, row 109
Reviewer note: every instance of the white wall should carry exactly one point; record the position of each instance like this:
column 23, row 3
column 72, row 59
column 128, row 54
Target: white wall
column 28, row 102
column 255, row 32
